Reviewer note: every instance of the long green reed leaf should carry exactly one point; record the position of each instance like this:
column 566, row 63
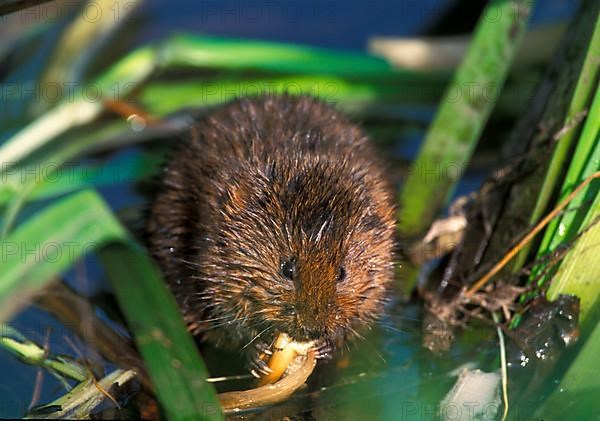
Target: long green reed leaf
column 463, row 113
column 49, row 243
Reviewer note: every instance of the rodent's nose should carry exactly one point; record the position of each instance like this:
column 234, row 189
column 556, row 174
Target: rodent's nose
column 312, row 331
column 312, row 320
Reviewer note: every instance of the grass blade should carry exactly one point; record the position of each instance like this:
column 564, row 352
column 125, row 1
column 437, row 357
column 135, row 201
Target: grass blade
column 581, row 101
column 169, row 351
column 532, row 140
column 233, row 54
column 579, row 272
column 49, row 244
column 461, row 118
column 585, row 161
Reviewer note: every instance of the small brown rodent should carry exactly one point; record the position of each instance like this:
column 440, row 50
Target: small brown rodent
column 274, row 216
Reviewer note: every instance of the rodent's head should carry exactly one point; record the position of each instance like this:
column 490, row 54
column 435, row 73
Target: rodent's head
column 300, row 246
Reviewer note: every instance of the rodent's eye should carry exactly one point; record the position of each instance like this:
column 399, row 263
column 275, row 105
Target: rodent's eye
column 287, row 269
column 341, row 274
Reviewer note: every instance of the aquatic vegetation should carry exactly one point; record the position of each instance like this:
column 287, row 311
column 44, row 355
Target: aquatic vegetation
column 59, row 160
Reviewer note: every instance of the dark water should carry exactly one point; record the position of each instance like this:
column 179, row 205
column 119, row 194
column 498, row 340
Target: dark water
column 335, row 24
column 377, row 378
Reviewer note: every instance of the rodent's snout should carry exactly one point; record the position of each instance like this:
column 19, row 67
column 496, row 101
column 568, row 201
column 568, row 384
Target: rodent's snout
column 317, row 272
column 311, row 320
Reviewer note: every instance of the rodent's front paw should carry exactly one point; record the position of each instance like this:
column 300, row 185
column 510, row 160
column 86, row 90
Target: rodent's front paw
column 324, row 349
column 257, row 360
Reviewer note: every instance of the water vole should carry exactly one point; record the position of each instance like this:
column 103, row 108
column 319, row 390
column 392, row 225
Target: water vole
column 274, row 216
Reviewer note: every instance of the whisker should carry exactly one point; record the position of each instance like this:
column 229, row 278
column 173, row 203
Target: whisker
column 257, row 336
column 361, row 337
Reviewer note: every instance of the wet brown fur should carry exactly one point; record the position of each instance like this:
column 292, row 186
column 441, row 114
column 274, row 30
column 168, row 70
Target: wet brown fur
column 260, row 182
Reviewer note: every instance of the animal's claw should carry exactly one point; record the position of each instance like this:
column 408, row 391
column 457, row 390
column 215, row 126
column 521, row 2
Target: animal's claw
column 258, row 366
column 263, row 347
column 324, row 350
